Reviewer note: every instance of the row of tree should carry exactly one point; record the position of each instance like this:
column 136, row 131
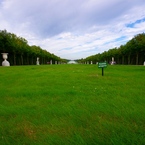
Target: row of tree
column 133, row 53
column 20, row 53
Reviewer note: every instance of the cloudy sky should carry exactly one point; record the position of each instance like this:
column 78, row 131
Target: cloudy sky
column 74, row 29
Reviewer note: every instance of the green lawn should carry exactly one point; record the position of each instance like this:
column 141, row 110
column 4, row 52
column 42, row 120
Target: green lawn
column 72, row 105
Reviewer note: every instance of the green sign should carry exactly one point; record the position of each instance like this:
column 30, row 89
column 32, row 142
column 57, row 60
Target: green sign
column 102, row 64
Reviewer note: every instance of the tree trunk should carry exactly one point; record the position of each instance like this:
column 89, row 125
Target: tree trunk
column 14, row 59
column 32, row 61
column 136, row 58
column 128, row 59
column 122, row 59
column 27, row 61
column 21, row 59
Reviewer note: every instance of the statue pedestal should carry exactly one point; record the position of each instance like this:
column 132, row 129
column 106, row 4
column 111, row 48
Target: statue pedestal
column 5, row 63
column 37, row 62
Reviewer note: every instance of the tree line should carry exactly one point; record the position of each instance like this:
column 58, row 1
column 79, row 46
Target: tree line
column 20, row 53
column 131, row 53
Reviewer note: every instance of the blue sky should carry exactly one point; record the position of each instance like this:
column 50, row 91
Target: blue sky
column 133, row 24
column 74, row 29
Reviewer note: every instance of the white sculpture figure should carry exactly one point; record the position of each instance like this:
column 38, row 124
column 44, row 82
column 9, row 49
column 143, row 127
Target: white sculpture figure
column 50, row 61
column 112, row 62
column 144, row 63
column 37, row 62
column 5, row 62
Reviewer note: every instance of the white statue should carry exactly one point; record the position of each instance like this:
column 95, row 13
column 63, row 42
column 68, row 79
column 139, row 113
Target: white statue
column 5, row 62
column 37, row 62
column 112, row 62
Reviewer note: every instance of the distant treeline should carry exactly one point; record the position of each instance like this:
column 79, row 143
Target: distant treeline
column 132, row 53
column 20, row 53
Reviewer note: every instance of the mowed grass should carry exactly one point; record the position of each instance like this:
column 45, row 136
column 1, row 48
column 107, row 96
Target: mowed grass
column 72, row 105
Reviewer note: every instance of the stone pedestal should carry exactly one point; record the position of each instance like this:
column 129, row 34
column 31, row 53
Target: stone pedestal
column 5, row 62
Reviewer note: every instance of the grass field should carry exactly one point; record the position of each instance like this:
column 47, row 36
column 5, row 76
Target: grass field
column 72, row 105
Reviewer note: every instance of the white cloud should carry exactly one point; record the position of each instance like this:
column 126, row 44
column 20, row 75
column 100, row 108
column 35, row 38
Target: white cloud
column 71, row 29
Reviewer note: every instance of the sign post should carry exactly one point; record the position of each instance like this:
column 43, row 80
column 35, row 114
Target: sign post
column 102, row 65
